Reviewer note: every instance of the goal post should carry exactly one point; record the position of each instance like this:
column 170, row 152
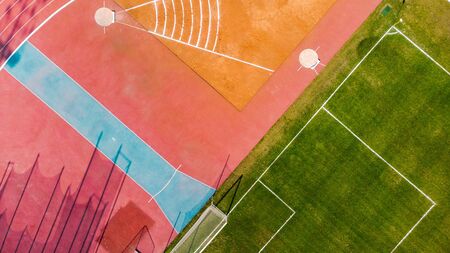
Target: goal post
column 204, row 230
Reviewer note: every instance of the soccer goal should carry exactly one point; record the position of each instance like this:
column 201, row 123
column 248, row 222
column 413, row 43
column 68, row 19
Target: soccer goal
column 204, row 230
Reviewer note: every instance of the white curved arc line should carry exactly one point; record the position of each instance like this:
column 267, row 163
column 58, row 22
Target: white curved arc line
column 192, row 22
column 174, row 18
column 17, row 16
column 217, row 25
column 165, row 17
column 165, row 186
column 209, row 24
column 156, row 17
column 201, row 23
column 182, row 20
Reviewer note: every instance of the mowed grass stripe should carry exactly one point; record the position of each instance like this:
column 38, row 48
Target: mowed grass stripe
column 346, row 198
column 398, row 101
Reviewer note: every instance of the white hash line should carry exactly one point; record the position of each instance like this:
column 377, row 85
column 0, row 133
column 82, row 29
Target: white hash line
column 379, row 156
column 192, row 22
column 201, row 48
column 165, row 17
column 413, row 227
column 34, row 31
column 174, row 18
column 209, row 24
column 138, row 6
column 156, row 16
column 9, row 8
column 182, row 20
column 201, row 23
column 217, row 25
column 165, row 186
column 421, row 50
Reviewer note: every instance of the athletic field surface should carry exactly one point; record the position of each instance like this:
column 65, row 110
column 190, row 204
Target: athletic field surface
column 124, row 123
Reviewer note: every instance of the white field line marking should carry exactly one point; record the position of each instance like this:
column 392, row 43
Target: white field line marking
column 34, row 31
column 203, row 49
column 423, row 51
column 415, row 225
column 9, row 8
column 156, row 16
column 212, row 237
column 182, row 20
column 217, row 25
column 201, row 23
column 209, row 24
column 93, row 144
column 276, row 195
column 17, row 16
column 379, row 156
column 192, row 22
column 138, row 6
column 174, row 19
column 309, row 121
column 165, row 186
column 148, row 145
column 279, row 229
column 357, row 65
column 165, row 17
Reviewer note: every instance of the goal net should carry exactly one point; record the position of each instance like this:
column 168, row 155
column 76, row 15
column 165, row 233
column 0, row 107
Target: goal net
column 210, row 223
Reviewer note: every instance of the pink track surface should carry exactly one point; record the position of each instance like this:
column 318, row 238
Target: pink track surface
column 157, row 96
column 29, row 127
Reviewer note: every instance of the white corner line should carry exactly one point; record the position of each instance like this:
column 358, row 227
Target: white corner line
column 35, row 30
column 413, row 227
column 379, row 156
column 423, row 51
column 276, row 195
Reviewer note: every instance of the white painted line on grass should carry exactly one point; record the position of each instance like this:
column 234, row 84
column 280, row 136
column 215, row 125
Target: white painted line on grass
column 276, row 195
column 421, row 50
column 379, row 156
column 415, row 225
column 276, row 233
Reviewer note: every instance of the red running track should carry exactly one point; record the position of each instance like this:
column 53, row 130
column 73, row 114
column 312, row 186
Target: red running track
column 158, row 97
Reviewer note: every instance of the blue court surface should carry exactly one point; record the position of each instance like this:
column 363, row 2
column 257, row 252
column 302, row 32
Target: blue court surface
column 89, row 118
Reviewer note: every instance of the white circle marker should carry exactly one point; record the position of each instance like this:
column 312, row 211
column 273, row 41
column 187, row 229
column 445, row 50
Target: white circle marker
column 309, row 58
column 104, row 16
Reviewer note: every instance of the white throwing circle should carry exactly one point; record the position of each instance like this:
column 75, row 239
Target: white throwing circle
column 104, row 16
column 309, row 58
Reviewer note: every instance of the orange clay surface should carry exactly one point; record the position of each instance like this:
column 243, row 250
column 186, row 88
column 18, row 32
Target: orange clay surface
column 259, row 32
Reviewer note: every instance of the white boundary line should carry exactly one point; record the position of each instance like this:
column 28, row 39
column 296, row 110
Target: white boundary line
column 192, row 22
column 165, row 17
column 285, row 222
column 174, row 19
column 165, row 186
column 156, row 16
column 421, row 50
column 35, row 30
column 379, row 156
column 201, row 48
column 182, row 20
column 388, row 32
column 209, row 24
column 98, row 102
column 217, row 25
column 201, row 23
column 413, row 227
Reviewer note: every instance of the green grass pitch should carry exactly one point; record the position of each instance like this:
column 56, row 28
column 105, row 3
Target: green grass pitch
column 345, row 197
